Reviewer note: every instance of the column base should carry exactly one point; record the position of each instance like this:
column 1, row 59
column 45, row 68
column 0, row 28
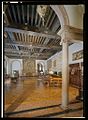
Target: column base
column 64, row 108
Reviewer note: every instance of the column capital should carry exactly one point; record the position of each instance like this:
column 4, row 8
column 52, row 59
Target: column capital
column 64, row 41
column 71, row 34
column 67, row 28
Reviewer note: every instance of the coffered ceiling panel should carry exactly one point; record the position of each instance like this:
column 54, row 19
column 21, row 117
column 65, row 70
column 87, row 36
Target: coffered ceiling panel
column 26, row 35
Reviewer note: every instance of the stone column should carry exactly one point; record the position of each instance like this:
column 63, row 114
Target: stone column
column 65, row 77
column 68, row 34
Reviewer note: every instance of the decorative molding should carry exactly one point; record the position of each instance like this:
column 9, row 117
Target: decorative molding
column 71, row 34
column 67, row 28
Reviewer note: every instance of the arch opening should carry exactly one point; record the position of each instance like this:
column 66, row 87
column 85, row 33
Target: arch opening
column 16, row 67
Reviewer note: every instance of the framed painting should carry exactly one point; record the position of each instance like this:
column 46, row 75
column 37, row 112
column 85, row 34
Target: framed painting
column 77, row 55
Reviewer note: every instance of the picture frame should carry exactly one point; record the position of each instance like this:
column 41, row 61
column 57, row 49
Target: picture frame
column 77, row 55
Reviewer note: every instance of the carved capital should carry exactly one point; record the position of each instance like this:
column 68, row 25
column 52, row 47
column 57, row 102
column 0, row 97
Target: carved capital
column 63, row 41
column 70, row 34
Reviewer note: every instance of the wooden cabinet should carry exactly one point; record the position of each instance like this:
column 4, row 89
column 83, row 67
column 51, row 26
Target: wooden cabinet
column 75, row 74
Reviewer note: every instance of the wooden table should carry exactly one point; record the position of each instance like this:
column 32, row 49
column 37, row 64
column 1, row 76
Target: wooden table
column 51, row 80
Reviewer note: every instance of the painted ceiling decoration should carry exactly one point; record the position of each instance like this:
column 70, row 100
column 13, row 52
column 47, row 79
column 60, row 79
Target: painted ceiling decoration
column 42, row 11
column 30, row 31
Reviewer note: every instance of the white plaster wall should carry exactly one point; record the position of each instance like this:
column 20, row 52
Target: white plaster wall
column 74, row 48
column 20, row 68
column 58, row 57
column 75, row 15
column 8, row 65
column 5, row 61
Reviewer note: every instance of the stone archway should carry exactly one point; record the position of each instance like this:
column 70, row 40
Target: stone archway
column 61, row 14
column 40, row 68
column 16, row 65
column 68, row 34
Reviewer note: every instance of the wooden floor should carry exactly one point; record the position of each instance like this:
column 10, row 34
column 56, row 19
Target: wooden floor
column 30, row 98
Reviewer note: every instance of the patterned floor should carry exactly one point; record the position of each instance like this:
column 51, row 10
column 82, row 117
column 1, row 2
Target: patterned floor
column 30, row 98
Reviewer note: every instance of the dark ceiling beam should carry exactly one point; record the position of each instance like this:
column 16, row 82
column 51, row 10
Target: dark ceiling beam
column 22, row 52
column 39, row 41
column 55, row 25
column 28, row 14
column 5, row 15
column 25, row 37
column 10, row 15
column 28, row 55
column 22, row 36
column 5, row 7
column 14, row 57
column 19, row 36
column 6, row 19
column 51, row 12
column 16, row 30
column 43, row 39
column 14, row 13
column 39, row 21
column 54, row 15
column 36, row 18
column 31, row 28
column 23, row 14
column 33, row 46
column 19, row 16
column 12, row 38
column 58, row 28
column 32, row 15
column 17, row 55
column 10, row 51
column 45, row 43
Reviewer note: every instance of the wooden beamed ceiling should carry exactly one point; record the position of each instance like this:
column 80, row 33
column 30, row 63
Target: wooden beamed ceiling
column 24, row 33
